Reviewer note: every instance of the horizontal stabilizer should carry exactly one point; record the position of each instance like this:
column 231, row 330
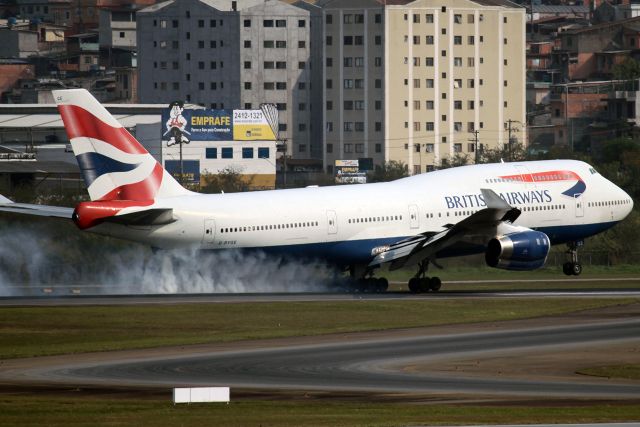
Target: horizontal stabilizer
column 7, row 205
column 160, row 216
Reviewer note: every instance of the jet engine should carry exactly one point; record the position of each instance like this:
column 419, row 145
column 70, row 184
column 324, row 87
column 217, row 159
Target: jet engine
column 526, row 250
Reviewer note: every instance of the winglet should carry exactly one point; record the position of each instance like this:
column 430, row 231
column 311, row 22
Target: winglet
column 493, row 201
column 4, row 200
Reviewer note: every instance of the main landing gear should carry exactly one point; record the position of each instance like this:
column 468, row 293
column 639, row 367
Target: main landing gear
column 362, row 281
column 421, row 283
column 572, row 267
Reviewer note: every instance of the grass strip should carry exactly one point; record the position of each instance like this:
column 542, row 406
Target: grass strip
column 38, row 331
column 64, row 411
column 629, row 372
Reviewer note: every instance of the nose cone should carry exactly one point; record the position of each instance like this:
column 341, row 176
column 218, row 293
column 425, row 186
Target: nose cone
column 628, row 205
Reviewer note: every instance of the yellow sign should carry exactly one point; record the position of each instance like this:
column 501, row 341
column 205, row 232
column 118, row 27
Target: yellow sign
column 251, row 125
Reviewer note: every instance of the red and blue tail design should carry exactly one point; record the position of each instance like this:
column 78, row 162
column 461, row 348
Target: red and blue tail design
column 114, row 165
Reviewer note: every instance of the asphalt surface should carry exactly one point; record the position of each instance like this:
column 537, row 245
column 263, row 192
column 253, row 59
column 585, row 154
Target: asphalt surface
column 81, row 299
column 373, row 365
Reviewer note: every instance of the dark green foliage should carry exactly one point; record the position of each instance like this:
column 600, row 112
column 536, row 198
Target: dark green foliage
column 390, row 171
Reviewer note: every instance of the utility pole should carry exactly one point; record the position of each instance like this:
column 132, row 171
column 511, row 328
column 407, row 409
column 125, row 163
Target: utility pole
column 475, row 147
column 511, row 130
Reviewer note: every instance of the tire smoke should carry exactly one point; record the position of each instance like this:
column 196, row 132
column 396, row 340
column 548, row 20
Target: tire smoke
column 36, row 257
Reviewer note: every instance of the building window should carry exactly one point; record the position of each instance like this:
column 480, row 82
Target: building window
column 263, row 152
column 302, row 127
column 457, row 40
column 267, row 44
column 227, row 152
column 457, row 126
column 377, row 40
column 247, row 65
column 269, row 85
column 329, row 62
column 348, row 105
column 457, row 19
column 281, row 106
column 328, row 19
column 457, row 105
column 281, row 44
column 247, row 152
column 359, row 126
column 428, row 61
column 378, row 104
column 347, row 126
column 378, row 126
column 457, row 62
column 429, row 39
column 329, row 127
column 329, row 41
column 428, row 18
column 347, row 62
column 378, row 83
column 348, row 40
column 348, row 83
column 329, row 84
column 211, row 153
column 302, row 44
column 457, row 147
column 429, row 105
column 429, row 148
column 267, row 23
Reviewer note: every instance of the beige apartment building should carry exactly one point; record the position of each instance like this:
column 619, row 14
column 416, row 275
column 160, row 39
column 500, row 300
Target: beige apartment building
column 414, row 81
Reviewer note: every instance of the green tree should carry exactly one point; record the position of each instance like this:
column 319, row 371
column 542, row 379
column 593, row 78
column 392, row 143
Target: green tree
column 514, row 152
column 628, row 69
column 458, row 159
column 228, row 180
column 389, row 171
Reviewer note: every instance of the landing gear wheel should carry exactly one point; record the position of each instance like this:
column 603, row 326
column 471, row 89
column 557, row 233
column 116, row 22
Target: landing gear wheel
column 381, row 285
column 576, row 269
column 567, row 268
column 414, row 285
column 435, row 284
column 424, row 284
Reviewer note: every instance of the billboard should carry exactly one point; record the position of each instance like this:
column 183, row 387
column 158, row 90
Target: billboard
column 348, row 172
column 251, row 125
column 181, row 125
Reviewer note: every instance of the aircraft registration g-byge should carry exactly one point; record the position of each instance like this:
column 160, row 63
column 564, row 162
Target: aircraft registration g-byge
column 511, row 212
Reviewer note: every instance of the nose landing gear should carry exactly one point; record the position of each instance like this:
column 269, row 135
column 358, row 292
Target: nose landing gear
column 573, row 267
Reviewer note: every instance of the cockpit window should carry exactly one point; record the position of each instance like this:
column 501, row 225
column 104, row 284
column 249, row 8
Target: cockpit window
column 593, row 171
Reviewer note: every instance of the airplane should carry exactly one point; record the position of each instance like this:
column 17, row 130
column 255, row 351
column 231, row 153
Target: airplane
column 511, row 212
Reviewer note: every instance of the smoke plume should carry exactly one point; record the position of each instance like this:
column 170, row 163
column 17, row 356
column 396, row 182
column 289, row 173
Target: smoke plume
column 46, row 256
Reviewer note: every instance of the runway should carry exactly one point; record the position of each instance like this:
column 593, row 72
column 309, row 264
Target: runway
column 373, row 365
column 79, row 300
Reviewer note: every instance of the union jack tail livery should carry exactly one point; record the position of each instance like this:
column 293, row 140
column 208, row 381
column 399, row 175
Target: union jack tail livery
column 114, row 165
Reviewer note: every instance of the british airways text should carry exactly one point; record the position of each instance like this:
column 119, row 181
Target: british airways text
column 513, row 198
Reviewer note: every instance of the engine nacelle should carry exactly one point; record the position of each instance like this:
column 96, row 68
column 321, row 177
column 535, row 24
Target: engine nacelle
column 526, row 250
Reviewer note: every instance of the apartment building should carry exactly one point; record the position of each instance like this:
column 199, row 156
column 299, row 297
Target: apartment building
column 413, row 81
column 235, row 55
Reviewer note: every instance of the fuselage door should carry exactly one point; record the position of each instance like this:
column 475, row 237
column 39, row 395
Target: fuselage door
column 579, row 205
column 209, row 230
column 414, row 220
column 332, row 222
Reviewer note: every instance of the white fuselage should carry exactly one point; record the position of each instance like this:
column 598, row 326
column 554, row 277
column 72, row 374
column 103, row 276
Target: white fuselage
column 346, row 222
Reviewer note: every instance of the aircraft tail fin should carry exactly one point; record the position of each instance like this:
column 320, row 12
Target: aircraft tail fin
column 114, row 165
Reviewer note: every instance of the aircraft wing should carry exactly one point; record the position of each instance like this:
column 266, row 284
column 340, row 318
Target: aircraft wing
column 7, row 205
column 486, row 222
